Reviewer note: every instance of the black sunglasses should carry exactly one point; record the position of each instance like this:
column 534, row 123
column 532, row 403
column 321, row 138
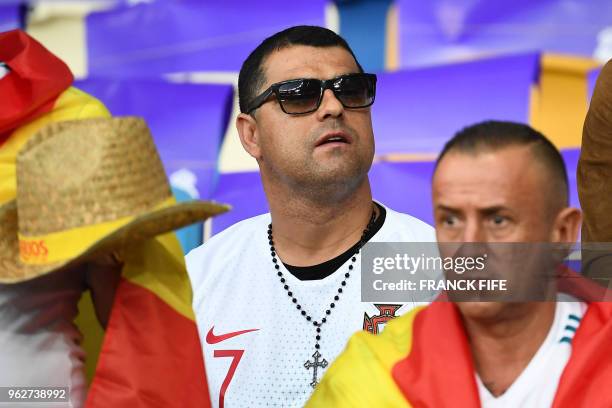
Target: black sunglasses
column 299, row 96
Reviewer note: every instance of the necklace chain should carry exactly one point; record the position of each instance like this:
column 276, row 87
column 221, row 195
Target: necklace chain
column 318, row 323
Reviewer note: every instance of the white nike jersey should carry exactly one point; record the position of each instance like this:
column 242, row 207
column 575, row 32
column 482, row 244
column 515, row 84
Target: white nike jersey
column 258, row 348
column 537, row 385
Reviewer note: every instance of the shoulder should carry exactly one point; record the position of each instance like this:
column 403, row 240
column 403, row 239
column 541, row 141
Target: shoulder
column 404, row 227
column 231, row 238
column 229, row 242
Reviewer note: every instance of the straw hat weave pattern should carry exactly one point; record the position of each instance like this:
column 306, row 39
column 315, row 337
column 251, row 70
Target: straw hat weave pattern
column 84, row 187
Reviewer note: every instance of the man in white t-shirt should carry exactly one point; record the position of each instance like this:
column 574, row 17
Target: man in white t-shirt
column 277, row 296
column 501, row 186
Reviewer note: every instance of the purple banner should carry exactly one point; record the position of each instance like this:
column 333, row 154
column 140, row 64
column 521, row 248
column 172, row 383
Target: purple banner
column 176, row 36
column 188, row 121
column 417, row 111
column 404, row 187
column 10, row 17
column 570, row 156
column 592, row 80
column 244, row 192
column 441, row 31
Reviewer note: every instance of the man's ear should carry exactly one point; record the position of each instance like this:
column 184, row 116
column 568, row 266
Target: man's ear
column 249, row 135
column 567, row 225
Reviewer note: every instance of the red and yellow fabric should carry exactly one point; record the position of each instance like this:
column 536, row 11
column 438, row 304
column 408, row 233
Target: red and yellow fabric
column 35, row 92
column 151, row 355
column 422, row 359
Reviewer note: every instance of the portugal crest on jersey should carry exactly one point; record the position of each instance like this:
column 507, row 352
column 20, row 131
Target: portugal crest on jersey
column 376, row 323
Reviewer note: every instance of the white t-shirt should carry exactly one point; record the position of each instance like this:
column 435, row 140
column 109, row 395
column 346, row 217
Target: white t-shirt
column 537, row 385
column 260, row 343
column 39, row 344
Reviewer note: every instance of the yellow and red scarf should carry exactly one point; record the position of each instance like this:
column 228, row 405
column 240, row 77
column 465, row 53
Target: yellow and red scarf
column 423, row 359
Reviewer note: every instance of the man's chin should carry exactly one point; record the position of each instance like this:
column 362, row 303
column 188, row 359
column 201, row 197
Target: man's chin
column 482, row 311
column 333, row 171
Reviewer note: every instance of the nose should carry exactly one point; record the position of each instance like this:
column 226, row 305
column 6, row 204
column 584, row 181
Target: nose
column 330, row 106
column 473, row 232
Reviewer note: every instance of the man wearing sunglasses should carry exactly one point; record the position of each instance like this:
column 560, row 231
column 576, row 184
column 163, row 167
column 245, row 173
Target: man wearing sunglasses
column 277, row 296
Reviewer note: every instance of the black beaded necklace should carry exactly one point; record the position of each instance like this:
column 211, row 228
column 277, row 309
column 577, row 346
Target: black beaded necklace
column 318, row 360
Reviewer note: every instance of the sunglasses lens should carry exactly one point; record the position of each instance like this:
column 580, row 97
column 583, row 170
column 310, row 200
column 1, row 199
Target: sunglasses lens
column 355, row 91
column 299, row 96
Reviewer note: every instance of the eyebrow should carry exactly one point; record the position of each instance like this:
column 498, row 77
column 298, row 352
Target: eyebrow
column 446, row 208
column 486, row 211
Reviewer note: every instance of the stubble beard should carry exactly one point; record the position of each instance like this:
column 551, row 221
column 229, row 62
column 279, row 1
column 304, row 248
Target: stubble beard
column 332, row 185
column 321, row 183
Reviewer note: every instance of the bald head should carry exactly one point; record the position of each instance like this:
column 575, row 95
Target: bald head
column 494, row 136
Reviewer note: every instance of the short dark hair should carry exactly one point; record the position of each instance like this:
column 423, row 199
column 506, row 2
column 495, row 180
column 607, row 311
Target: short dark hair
column 497, row 135
column 252, row 75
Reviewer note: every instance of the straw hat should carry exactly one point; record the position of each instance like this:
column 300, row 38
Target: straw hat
column 85, row 188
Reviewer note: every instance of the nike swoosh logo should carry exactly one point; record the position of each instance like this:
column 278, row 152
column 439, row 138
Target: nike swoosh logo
column 212, row 339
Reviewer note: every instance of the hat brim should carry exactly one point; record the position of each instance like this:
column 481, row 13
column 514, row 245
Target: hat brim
column 142, row 227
